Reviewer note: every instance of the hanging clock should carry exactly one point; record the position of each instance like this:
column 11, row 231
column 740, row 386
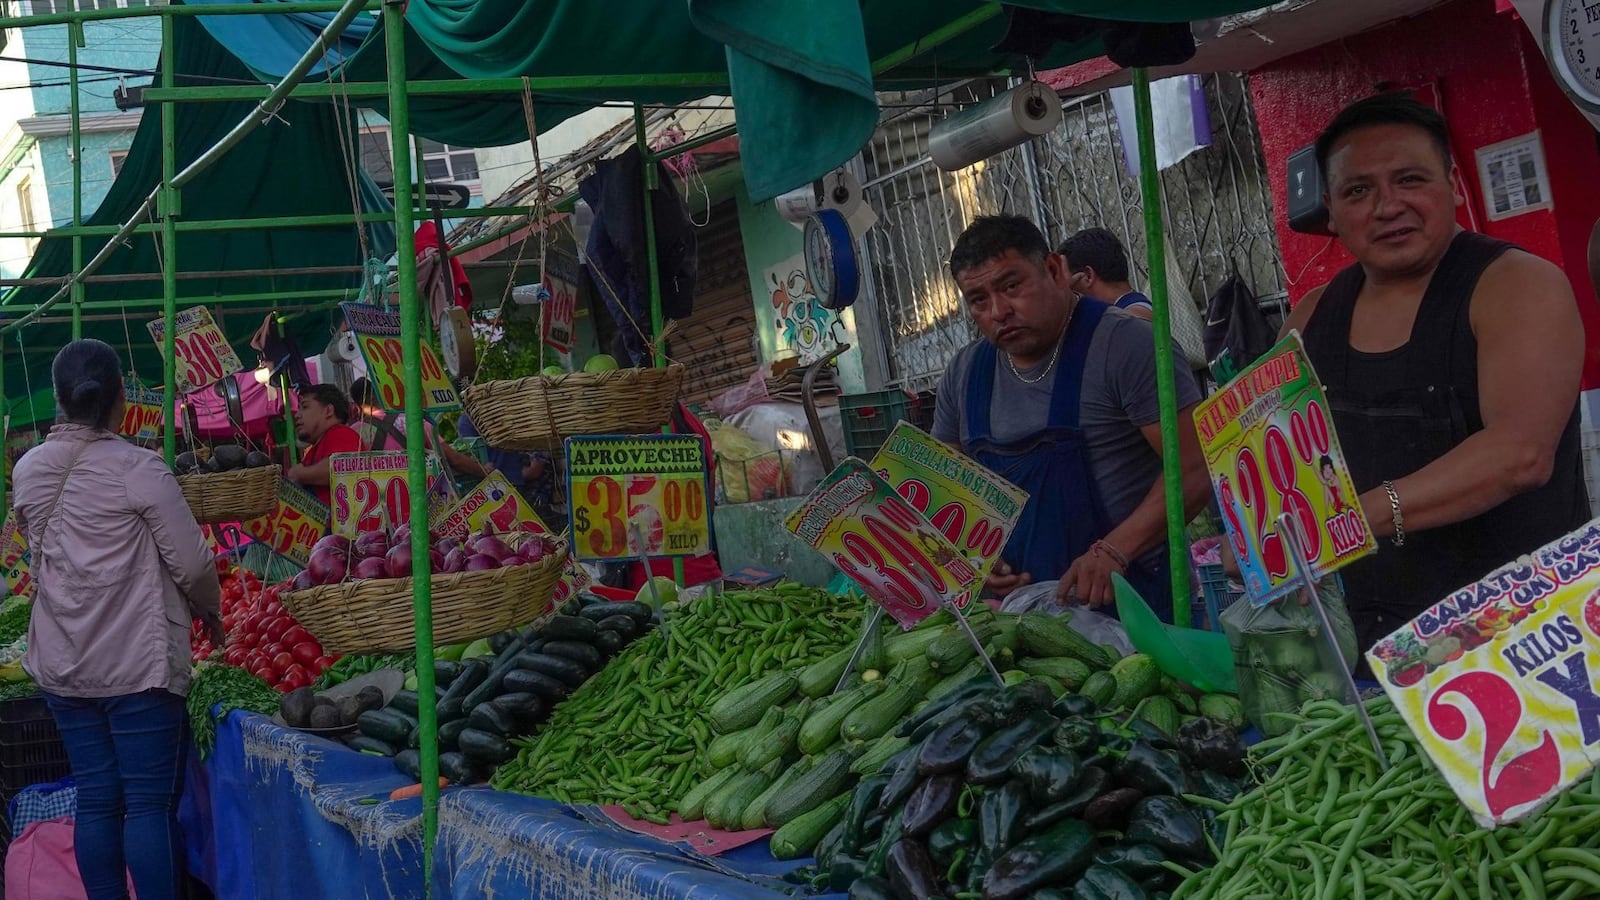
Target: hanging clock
column 831, row 261
column 1572, row 46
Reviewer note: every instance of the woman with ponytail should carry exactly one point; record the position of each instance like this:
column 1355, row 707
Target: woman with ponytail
column 120, row 570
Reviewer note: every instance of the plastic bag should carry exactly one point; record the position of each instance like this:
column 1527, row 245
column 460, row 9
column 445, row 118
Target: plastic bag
column 746, row 470
column 1281, row 658
column 1097, row 627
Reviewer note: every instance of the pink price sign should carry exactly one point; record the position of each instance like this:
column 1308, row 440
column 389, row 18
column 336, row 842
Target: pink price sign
column 883, row 544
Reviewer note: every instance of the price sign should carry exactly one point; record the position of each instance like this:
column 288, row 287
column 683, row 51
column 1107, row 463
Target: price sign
column 1269, row 443
column 657, row 481
column 14, row 557
column 294, row 525
column 558, row 317
column 204, row 355
column 144, row 415
column 370, row 491
column 1500, row 681
column 492, row 503
column 226, row 538
column 883, row 544
column 377, row 333
column 974, row 508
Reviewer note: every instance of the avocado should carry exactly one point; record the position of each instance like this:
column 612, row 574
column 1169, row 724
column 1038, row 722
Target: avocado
column 325, row 717
column 228, row 457
column 255, row 459
column 350, row 709
column 211, row 465
column 370, row 697
column 296, row 707
column 184, row 462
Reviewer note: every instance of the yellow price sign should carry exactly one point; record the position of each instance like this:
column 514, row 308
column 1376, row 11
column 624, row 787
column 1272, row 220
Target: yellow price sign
column 294, row 526
column 658, row 483
column 14, row 557
column 377, row 333
column 371, row 491
column 144, row 415
column 204, row 356
column 495, row 505
column 1269, row 443
column 1500, row 681
column 883, row 544
column 973, row 508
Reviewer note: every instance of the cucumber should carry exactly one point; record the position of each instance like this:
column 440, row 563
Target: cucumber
column 744, row 706
column 551, row 690
column 449, row 732
column 626, row 626
column 639, row 612
column 560, row 668
column 409, row 762
column 385, row 725
column 827, row 776
column 485, row 747
column 693, row 805
column 569, row 628
column 822, row 676
column 459, row 768
column 493, row 719
column 821, row 727
column 371, row 746
column 405, row 701
column 800, row 835
column 580, row 652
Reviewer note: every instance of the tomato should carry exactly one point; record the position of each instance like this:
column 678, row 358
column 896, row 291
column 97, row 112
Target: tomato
column 297, row 673
column 323, row 662
column 282, row 660
column 305, row 653
column 279, row 627
column 296, row 634
column 234, row 655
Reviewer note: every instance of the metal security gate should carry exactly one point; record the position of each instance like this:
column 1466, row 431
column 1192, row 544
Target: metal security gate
column 1217, row 202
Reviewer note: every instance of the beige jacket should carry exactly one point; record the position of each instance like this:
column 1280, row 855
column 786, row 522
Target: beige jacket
column 120, row 571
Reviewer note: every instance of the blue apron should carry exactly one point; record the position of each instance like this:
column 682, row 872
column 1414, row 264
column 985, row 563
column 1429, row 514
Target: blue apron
column 1063, row 516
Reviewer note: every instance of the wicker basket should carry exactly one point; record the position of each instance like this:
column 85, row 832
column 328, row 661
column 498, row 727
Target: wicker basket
column 539, row 412
column 234, row 496
column 375, row 615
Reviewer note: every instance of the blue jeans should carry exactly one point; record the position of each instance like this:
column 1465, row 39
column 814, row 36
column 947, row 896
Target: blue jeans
column 128, row 755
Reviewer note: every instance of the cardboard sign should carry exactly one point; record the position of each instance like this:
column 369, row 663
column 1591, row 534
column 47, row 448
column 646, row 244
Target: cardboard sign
column 658, row 482
column 294, row 526
column 883, row 544
column 370, row 490
column 226, row 538
column 14, row 557
column 204, row 356
column 1501, row 680
column 377, row 333
column 559, row 315
column 974, row 508
column 494, row 503
column 1269, row 443
column 145, row 414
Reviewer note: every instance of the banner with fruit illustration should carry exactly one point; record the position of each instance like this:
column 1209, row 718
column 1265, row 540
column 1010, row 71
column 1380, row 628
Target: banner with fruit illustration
column 1499, row 679
column 659, row 483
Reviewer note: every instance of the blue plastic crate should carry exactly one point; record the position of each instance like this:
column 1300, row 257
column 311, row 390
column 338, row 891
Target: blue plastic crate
column 1216, row 594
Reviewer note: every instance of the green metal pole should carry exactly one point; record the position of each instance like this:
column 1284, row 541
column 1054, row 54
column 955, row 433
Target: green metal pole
column 410, row 340
column 165, row 12
column 169, row 252
column 1166, row 382
column 74, row 41
column 710, row 81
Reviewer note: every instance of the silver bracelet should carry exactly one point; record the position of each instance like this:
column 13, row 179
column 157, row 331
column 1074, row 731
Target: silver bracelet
column 1394, row 513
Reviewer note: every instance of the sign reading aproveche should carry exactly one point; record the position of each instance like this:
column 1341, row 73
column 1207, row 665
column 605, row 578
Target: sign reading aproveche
column 1500, row 681
column 1269, row 443
column 659, row 482
column 377, row 333
column 883, row 544
column 204, row 356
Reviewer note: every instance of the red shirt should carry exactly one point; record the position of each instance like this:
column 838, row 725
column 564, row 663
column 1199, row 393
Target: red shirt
column 338, row 439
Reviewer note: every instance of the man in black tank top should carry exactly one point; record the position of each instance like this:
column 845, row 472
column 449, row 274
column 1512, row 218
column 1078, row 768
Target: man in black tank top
column 1452, row 362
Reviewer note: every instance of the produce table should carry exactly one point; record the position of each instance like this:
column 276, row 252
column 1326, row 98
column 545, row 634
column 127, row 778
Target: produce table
column 276, row 813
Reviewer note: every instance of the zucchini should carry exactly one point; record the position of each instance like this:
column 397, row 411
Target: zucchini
column 879, row 714
column 723, row 751
column 744, row 706
column 1070, row 671
column 1042, row 634
column 626, row 626
column 822, row 676
column 560, row 668
column 821, row 727
column 800, row 836
column 386, row 725
column 639, row 612
column 692, row 806
column 827, row 776
column 872, row 653
column 948, row 683
column 953, row 648
column 755, row 815
column 1099, row 687
column 909, row 644
column 569, row 628
column 550, row 690
column 1161, row 712
column 370, row 745
column 484, row 746
column 775, row 744
column 727, row 809
column 1137, row 677
column 409, row 762
column 583, row 654
column 459, row 768
column 449, row 732
column 491, row 718
column 878, row 753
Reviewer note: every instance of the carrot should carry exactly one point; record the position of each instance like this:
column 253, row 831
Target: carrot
column 414, row 790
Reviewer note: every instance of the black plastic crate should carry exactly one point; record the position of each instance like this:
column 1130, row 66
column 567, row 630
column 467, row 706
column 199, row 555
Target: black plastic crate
column 27, row 709
column 32, row 753
column 13, row 778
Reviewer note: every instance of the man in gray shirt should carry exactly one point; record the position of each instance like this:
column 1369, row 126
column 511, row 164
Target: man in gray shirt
column 1059, row 397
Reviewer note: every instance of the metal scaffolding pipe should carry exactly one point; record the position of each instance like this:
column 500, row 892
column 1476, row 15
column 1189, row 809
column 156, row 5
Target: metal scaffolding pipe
column 167, row 12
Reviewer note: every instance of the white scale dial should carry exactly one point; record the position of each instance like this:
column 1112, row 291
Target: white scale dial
column 1572, row 43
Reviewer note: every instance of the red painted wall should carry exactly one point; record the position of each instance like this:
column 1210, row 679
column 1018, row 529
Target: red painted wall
column 1493, row 85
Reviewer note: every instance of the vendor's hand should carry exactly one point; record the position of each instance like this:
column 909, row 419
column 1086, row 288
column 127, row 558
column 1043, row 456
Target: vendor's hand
column 1002, row 580
column 214, row 629
column 1088, row 580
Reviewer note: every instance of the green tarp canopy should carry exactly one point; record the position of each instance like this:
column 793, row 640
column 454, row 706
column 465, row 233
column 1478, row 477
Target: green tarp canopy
column 802, row 76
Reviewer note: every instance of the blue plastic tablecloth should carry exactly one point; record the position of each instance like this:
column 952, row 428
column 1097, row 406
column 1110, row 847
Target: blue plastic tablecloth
column 277, row 813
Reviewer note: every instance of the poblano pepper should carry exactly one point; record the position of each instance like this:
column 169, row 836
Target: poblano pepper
column 1000, row 815
column 1170, row 825
column 950, row 836
column 911, row 872
column 1092, row 782
column 1152, row 771
column 947, row 748
column 1045, row 859
column 1048, row 772
column 930, row 803
column 1105, row 883
column 1213, row 746
column 993, row 757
